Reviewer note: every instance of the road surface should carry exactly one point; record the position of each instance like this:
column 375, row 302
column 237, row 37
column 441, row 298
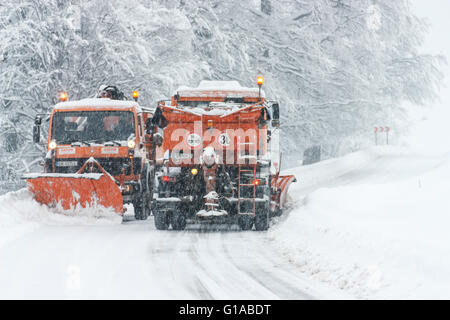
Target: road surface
column 133, row 260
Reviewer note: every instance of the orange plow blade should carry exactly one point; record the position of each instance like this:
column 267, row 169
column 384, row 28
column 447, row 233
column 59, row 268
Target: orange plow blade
column 282, row 183
column 72, row 190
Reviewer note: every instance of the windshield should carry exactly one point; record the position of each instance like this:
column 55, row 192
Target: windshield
column 92, row 126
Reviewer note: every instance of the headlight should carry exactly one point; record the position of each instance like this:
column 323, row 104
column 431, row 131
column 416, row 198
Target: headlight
column 52, row 145
column 131, row 144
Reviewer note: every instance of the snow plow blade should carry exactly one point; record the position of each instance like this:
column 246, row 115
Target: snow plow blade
column 72, row 190
column 80, row 189
column 282, row 183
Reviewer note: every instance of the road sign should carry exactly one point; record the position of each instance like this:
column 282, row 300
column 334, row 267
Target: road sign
column 381, row 129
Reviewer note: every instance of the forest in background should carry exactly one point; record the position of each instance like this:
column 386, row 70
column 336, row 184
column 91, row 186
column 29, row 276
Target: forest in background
column 338, row 67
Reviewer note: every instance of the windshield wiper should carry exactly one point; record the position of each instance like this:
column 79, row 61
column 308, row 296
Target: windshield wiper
column 75, row 143
column 86, row 142
column 89, row 142
column 117, row 143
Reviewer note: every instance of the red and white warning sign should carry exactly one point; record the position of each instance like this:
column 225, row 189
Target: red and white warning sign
column 193, row 139
column 224, row 139
column 381, row 129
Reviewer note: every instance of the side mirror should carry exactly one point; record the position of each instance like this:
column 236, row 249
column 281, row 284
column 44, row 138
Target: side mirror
column 149, row 126
column 264, row 118
column 37, row 130
column 159, row 119
column 275, row 115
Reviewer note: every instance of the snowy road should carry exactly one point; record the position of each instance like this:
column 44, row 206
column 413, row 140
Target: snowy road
column 43, row 256
column 136, row 261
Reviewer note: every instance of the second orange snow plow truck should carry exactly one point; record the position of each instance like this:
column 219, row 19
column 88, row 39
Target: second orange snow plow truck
column 98, row 153
column 220, row 158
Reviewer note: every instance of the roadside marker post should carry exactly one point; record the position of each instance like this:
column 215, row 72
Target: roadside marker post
column 381, row 129
column 376, row 140
column 387, row 135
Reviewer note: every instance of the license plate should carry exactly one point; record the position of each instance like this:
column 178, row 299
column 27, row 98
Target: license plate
column 66, row 151
column 110, row 150
column 67, row 163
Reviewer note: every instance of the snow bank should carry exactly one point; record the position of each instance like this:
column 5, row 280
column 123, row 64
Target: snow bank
column 96, row 103
column 20, row 214
column 379, row 230
column 219, row 89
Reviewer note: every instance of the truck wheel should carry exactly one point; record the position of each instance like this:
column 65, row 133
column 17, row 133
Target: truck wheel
column 150, row 179
column 161, row 220
column 245, row 221
column 178, row 221
column 278, row 212
column 141, row 207
column 261, row 222
column 262, row 218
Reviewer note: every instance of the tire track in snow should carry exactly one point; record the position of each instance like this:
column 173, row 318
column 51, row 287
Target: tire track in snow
column 268, row 274
column 219, row 276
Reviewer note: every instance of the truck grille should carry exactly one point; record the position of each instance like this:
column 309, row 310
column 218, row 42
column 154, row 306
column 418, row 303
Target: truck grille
column 112, row 165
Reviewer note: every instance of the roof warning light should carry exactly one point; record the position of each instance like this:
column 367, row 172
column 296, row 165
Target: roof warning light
column 259, row 81
column 135, row 95
column 63, row 96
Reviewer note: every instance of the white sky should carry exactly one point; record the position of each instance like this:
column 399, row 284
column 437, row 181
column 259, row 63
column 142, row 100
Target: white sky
column 437, row 13
column 431, row 134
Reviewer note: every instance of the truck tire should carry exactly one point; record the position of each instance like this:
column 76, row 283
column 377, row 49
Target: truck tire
column 262, row 218
column 178, row 221
column 161, row 220
column 261, row 222
column 141, row 210
column 142, row 205
column 278, row 212
column 150, row 180
column 245, row 221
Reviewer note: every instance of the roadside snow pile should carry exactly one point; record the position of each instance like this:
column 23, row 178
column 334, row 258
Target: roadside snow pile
column 386, row 239
column 20, row 214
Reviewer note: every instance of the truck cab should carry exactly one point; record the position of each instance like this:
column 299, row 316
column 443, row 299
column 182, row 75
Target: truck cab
column 111, row 132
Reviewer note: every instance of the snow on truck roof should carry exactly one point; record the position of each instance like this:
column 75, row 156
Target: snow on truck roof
column 97, row 103
column 219, row 89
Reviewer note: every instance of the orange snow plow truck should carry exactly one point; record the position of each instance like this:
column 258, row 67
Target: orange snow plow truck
column 220, row 159
column 98, row 153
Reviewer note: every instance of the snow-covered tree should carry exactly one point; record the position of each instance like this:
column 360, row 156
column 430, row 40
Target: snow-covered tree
column 49, row 46
column 338, row 67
